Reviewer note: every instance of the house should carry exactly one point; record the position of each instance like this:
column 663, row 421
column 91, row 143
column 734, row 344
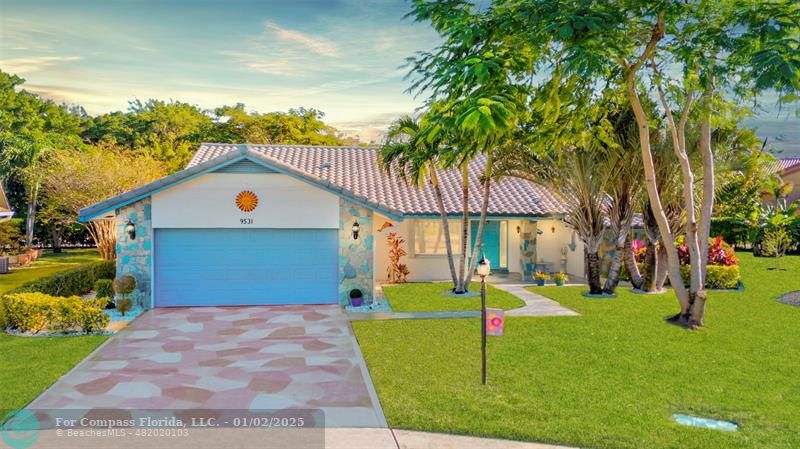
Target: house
column 281, row 224
column 789, row 171
column 5, row 209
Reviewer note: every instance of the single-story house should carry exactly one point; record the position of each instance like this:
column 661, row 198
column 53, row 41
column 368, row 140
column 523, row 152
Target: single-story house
column 5, row 209
column 288, row 224
column 789, row 171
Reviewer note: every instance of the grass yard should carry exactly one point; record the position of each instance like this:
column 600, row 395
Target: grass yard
column 28, row 366
column 48, row 264
column 610, row 378
column 427, row 297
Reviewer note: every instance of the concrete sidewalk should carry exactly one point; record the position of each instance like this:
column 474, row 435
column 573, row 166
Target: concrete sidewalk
column 535, row 304
column 407, row 439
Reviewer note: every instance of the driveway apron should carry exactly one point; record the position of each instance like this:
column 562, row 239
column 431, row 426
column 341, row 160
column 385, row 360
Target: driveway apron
column 232, row 358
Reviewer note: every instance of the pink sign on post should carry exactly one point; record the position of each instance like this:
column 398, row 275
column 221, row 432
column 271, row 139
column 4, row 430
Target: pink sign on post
column 495, row 318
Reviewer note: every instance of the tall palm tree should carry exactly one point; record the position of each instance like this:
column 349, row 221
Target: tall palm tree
column 415, row 159
column 24, row 157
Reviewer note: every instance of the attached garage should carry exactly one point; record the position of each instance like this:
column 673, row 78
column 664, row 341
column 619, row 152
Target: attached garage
column 234, row 267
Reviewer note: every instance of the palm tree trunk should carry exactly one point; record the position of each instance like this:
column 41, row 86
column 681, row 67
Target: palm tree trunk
column 661, row 271
column 593, row 272
column 462, row 260
column 487, row 184
column 437, row 192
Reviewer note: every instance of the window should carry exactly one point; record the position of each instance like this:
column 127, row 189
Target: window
column 429, row 237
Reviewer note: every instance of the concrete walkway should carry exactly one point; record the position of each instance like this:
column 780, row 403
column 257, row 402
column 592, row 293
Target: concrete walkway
column 535, row 304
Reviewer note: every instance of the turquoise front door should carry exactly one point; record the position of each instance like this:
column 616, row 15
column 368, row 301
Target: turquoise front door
column 493, row 242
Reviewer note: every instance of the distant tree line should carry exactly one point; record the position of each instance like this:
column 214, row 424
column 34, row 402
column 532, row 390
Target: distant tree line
column 40, row 139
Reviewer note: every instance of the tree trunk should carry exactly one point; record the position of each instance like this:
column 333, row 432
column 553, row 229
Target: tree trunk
column 30, row 219
column 707, row 202
column 650, row 268
column 652, row 186
column 593, row 272
column 56, row 236
column 487, row 183
column 104, row 234
column 630, row 264
column 462, row 260
column 623, row 229
column 437, row 192
column 661, row 268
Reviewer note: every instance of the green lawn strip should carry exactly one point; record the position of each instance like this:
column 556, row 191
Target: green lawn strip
column 428, row 297
column 49, row 263
column 610, row 378
column 31, row 364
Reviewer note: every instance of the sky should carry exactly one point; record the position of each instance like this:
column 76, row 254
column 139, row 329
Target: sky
column 342, row 57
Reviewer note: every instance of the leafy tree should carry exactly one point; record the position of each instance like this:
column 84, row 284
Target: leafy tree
column 715, row 50
column 30, row 129
column 299, row 126
column 77, row 179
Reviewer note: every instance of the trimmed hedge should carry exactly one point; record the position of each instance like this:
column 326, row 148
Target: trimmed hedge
column 36, row 312
column 717, row 276
column 75, row 282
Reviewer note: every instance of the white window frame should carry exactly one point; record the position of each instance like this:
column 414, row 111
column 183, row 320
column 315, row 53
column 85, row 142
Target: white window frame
column 413, row 240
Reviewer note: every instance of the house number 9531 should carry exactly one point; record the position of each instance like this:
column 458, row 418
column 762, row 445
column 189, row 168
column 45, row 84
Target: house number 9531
column 246, row 221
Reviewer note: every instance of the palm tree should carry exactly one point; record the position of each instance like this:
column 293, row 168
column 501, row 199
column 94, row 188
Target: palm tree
column 24, row 157
column 415, row 158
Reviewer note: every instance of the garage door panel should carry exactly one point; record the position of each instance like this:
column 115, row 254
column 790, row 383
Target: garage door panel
column 245, row 267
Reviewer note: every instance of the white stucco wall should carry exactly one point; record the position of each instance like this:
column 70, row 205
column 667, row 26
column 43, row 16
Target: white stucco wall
column 435, row 268
column 208, row 201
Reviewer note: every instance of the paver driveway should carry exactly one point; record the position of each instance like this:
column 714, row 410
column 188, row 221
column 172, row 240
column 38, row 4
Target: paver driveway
column 257, row 358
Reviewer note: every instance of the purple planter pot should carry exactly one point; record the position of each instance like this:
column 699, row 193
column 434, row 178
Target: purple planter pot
column 356, row 302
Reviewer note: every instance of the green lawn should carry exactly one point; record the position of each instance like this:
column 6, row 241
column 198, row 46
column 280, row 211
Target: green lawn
column 610, row 378
column 48, row 264
column 29, row 365
column 427, row 297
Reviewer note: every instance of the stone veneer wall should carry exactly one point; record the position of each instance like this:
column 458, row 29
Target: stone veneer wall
column 355, row 256
column 134, row 257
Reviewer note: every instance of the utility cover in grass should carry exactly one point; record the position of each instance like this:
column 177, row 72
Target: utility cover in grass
column 791, row 298
column 705, row 423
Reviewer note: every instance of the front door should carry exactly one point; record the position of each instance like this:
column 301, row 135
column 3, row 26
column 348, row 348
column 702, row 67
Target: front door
column 495, row 242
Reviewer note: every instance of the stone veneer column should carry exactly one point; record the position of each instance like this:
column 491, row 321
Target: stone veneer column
column 355, row 256
column 134, row 257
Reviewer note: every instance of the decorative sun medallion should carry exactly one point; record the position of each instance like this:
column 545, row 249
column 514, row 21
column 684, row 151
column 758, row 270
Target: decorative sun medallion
column 246, row 201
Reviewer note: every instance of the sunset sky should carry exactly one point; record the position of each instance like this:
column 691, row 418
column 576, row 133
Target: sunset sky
column 342, row 57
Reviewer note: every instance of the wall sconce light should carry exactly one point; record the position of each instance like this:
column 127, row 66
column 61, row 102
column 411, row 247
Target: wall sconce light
column 519, row 229
column 130, row 228
column 553, row 229
column 356, row 228
column 539, row 232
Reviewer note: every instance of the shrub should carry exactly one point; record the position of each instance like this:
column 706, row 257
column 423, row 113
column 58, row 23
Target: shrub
column 124, row 305
column 104, row 288
column 717, row 276
column 106, row 269
column 719, row 252
column 75, row 282
column 35, row 312
column 125, row 284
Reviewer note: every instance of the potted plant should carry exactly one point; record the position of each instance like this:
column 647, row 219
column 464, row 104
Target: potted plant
column 540, row 278
column 123, row 287
column 560, row 278
column 356, row 297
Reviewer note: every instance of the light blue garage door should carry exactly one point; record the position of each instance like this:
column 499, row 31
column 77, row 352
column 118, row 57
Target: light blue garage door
column 230, row 267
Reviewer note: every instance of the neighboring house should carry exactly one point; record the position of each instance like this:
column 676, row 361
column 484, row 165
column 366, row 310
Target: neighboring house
column 274, row 224
column 5, row 209
column 789, row 171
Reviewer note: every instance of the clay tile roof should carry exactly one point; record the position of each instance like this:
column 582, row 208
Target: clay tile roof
column 785, row 165
column 355, row 169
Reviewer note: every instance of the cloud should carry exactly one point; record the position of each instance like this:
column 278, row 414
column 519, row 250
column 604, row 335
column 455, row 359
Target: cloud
column 263, row 63
column 318, row 45
column 30, row 64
